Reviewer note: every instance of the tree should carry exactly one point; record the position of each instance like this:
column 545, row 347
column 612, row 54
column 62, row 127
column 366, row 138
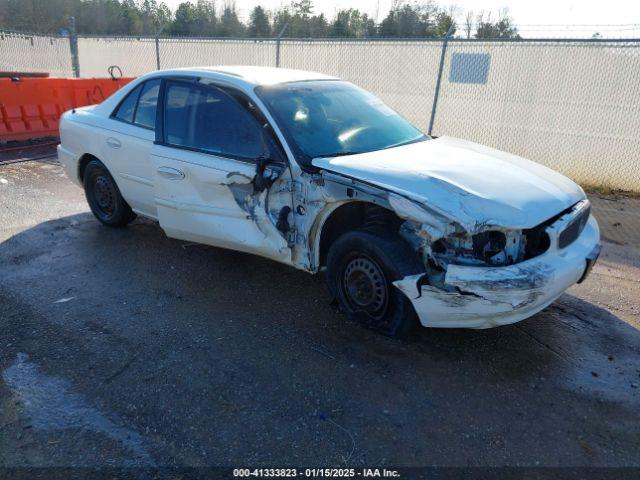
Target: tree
column 131, row 21
column 302, row 23
column 206, row 21
column 154, row 17
column 422, row 19
column 352, row 24
column 369, row 26
column 304, row 8
column 281, row 18
column 445, row 22
column 503, row 28
column 230, row 25
column 468, row 23
column 259, row 23
column 340, row 26
column 318, row 26
column 185, row 20
column 406, row 18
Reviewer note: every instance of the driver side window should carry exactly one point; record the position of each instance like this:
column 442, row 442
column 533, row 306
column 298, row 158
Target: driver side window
column 208, row 119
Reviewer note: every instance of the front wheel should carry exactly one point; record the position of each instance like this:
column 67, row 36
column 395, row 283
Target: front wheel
column 104, row 197
column 361, row 268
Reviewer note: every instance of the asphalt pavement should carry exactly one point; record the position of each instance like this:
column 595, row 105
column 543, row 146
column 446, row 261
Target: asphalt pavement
column 126, row 348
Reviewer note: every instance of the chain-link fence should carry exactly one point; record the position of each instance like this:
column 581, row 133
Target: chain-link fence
column 24, row 52
column 573, row 105
column 136, row 56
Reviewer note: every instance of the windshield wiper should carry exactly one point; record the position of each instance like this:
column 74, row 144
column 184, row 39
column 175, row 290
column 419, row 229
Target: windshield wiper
column 339, row 154
column 348, row 152
column 415, row 140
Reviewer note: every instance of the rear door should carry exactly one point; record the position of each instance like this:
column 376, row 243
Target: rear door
column 128, row 143
column 210, row 163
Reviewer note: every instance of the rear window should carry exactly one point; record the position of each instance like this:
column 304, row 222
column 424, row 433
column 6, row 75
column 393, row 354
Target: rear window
column 127, row 108
column 147, row 105
column 140, row 105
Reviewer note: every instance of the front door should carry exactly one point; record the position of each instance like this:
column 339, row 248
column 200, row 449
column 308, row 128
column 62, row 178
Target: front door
column 209, row 153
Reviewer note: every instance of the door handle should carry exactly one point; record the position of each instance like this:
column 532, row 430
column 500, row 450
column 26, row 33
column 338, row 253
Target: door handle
column 170, row 173
column 113, row 142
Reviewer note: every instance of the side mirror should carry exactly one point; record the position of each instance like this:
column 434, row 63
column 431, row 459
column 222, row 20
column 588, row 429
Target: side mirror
column 267, row 172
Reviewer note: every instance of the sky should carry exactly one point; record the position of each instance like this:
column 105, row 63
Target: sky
column 535, row 17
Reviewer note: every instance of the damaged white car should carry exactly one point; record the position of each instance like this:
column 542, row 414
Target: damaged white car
column 314, row 172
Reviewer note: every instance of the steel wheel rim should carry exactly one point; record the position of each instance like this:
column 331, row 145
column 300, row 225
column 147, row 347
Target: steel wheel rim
column 365, row 287
column 104, row 195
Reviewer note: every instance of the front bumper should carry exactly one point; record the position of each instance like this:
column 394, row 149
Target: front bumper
column 491, row 296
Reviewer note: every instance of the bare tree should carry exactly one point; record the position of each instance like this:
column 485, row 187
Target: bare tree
column 468, row 23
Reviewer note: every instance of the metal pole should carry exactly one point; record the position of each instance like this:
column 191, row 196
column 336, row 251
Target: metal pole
column 284, row 29
column 73, row 46
column 439, row 80
column 158, row 47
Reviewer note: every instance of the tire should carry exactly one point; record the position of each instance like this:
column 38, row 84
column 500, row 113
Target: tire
column 104, row 197
column 361, row 268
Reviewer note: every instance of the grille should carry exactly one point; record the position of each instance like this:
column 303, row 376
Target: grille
column 575, row 227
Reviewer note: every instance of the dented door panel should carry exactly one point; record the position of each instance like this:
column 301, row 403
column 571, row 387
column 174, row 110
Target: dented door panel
column 216, row 203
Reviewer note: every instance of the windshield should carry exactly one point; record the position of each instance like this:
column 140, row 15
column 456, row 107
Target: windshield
column 331, row 118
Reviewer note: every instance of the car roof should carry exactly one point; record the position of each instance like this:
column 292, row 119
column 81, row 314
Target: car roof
column 244, row 77
column 254, row 75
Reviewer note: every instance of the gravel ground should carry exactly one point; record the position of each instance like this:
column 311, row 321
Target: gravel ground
column 126, row 348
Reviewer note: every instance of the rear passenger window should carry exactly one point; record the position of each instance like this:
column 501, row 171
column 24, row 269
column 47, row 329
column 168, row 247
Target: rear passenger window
column 147, row 104
column 127, row 108
column 205, row 118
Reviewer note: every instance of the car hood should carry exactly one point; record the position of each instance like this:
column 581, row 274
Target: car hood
column 471, row 184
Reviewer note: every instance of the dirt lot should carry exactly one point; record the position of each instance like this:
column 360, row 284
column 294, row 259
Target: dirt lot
column 125, row 348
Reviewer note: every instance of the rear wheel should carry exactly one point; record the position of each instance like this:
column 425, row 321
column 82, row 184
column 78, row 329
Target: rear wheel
column 361, row 268
column 104, row 197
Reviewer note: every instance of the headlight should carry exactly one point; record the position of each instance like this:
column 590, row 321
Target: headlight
column 492, row 247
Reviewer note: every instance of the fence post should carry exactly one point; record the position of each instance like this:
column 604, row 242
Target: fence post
column 439, row 80
column 73, row 46
column 158, row 47
column 284, row 29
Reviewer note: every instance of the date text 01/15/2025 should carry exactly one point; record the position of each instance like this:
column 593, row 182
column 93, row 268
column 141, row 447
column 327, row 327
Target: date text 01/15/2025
column 316, row 472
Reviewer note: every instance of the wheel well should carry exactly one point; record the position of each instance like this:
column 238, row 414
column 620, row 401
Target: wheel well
column 351, row 216
column 83, row 162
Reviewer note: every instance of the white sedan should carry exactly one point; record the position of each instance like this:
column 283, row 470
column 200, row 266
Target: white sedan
column 314, row 172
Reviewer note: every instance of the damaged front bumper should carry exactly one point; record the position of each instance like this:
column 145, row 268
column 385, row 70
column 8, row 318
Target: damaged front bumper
column 486, row 297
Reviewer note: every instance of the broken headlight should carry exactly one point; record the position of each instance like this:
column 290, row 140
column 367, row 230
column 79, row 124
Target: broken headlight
column 492, row 247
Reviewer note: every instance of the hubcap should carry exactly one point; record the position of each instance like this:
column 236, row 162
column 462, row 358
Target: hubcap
column 104, row 195
column 365, row 287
